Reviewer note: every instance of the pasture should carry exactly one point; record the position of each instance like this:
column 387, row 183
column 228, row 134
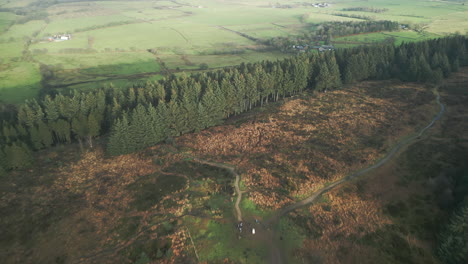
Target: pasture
column 111, row 38
column 370, row 38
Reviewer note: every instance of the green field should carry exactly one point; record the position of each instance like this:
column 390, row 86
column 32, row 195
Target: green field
column 400, row 37
column 111, row 38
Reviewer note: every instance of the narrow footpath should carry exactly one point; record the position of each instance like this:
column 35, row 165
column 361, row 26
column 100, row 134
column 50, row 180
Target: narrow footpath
column 236, row 183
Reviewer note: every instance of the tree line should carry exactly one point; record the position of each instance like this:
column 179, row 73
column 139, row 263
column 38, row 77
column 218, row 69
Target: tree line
column 326, row 31
column 366, row 9
column 146, row 114
column 342, row 28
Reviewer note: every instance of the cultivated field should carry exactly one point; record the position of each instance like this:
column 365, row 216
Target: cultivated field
column 112, row 38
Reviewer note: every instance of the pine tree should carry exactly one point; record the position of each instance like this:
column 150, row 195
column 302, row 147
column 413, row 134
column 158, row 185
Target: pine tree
column 79, row 128
column 45, row 134
column 453, row 246
column 163, row 120
column 120, row 138
column 9, row 132
column 334, row 71
column 51, row 109
column 140, row 128
column 240, row 92
column 251, row 88
column 61, row 130
column 35, row 138
column 322, row 81
column 93, row 128
column 157, row 127
column 174, row 118
column 68, row 106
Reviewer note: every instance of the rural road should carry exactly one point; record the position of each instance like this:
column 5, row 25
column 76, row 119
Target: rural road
column 316, row 194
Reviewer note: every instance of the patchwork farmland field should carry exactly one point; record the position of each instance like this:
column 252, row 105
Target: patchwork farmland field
column 113, row 38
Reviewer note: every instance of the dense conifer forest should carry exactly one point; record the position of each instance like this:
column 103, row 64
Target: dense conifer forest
column 147, row 114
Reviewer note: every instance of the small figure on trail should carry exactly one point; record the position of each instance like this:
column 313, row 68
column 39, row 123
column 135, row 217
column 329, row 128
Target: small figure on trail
column 256, row 221
column 253, row 231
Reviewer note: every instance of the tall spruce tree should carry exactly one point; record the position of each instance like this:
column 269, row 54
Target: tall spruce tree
column 45, row 134
column 120, row 140
column 93, row 127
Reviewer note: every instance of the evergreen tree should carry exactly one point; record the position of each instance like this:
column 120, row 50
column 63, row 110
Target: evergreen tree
column 35, row 138
column 45, row 134
column 453, row 248
column 9, row 133
column 30, row 113
column 251, row 88
column 175, row 119
column 93, row 127
column 51, row 109
column 240, row 92
column 334, row 71
column 79, row 128
column 120, row 138
column 62, row 131
column 140, row 128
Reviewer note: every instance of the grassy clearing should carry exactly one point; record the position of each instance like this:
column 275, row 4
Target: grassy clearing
column 291, row 237
column 400, row 37
column 20, row 81
column 217, row 241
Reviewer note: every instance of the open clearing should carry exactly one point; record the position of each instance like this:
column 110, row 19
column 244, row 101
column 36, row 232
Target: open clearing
column 182, row 34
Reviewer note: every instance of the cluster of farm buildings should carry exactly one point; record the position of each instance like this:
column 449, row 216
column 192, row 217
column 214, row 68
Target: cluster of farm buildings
column 321, row 48
column 299, row 5
column 321, row 5
column 56, row 38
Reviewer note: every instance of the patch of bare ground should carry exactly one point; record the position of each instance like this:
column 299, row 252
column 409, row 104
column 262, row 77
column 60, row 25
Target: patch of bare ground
column 311, row 140
column 393, row 214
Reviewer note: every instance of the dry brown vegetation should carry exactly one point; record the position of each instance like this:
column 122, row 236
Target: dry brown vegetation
column 284, row 152
column 309, row 141
column 84, row 205
column 392, row 215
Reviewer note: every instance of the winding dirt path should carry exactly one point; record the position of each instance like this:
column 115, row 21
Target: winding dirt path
column 381, row 162
column 276, row 255
column 236, row 183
